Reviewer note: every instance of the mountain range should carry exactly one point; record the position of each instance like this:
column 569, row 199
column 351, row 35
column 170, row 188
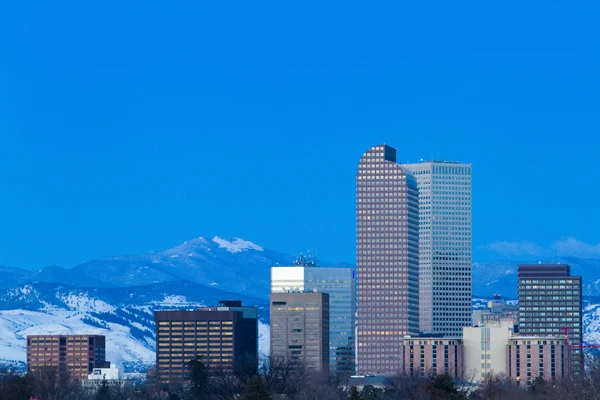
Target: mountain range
column 117, row 296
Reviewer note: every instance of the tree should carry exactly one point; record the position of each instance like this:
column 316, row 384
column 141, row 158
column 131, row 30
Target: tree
column 354, row 395
column 199, row 380
column 256, row 390
column 103, row 392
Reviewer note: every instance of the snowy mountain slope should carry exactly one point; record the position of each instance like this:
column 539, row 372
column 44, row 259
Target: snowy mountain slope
column 233, row 265
column 124, row 315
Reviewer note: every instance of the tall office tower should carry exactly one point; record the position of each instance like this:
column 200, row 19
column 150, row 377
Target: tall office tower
column 300, row 329
column 225, row 338
column 77, row 354
column 339, row 284
column 550, row 305
column 387, row 259
column 445, row 292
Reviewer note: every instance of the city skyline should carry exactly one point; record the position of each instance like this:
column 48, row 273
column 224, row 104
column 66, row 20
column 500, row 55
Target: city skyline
column 116, row 117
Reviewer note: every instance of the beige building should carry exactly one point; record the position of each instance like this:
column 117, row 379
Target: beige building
column 485, row 349
column 423, row 356
column 528, row 357
column 300, row 329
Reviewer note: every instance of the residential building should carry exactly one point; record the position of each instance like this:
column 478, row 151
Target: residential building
column 445, row 245
column 339, row 283
column 550, row 305
column 529, row 357
column 300, row 329
column 426, row 355
column 224, row 337
column 485, row 350
column 76, row 354
column 387, row 258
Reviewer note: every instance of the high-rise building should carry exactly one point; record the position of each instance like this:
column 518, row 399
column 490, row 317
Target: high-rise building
column 224, row 337
column 339, row 283
column 387, row 259
column 300, row 329
column 550, row 305
column 76, row 354
column 445, row 247
column 529, row 357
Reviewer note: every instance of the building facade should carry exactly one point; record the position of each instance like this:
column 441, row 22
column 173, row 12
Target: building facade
column 485, row 350
column 76, row 354
column 425, row 356
column 530, row 357
column 550, row 305
column 497, row 310
column 445, row 245
column 387, row 259
column 224, row 337
column 300, row 329
column 339, row 283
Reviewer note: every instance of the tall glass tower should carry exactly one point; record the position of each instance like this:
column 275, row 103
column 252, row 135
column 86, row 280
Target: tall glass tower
column 387, row 259
column 339, row 284
column 445, row 263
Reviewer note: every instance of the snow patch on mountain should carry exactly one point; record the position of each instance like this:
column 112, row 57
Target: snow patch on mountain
column 237, row 245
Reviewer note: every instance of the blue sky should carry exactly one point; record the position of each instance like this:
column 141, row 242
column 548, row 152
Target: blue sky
column 127, row 127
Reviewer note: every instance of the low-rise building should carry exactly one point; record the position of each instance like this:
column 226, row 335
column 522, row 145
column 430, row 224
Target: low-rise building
column 426, row 355
column 529, row 357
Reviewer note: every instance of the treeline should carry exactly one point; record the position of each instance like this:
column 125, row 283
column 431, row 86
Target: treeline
column 278, row 380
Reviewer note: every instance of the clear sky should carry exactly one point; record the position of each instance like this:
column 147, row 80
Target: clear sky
column 127, row 126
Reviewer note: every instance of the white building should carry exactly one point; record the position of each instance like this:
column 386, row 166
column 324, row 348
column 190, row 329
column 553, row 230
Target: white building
column 339, row 283
column 485, row 349
column 113, row 376
column 445, row 245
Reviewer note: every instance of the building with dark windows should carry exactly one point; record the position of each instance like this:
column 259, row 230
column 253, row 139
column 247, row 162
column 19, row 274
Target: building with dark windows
column 550, row 305
column 300, row 329
column 340, row 284
column 387, row 258
column 529, row 357
column 224, row 338
column 425, row 355
column 445, row 261
column 76, row 354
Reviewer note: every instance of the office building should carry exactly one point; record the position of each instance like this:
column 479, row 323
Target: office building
column 224, row 338
column 529, row 357
column 485, row 350
column 76, row 354
column 300, row 329
column 550, row 305
column 339, row 283
column 445, row 247
column 424, row 356
column 112, row 376
column 387, row 259
column 497, row 310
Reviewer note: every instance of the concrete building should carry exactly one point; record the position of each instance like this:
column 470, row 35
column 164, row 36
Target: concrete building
column 112, row 375
column 224, row 337
column 424, row 355
column 497, row 310
column 445, row 245
column 387, row 259
column 528, row 357
column 76, row 354
column 485, row 350
column 550, row 303
column 300, row 329
column 339, row 283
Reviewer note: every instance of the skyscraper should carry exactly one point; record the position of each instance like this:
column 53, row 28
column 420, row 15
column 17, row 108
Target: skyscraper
column 550, row 303
column 339, row 284
column 445, row 263
column 387, row 259
column 300, row 329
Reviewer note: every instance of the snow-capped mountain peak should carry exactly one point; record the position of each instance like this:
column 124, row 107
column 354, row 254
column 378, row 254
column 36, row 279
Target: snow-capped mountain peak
column 236, row 245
